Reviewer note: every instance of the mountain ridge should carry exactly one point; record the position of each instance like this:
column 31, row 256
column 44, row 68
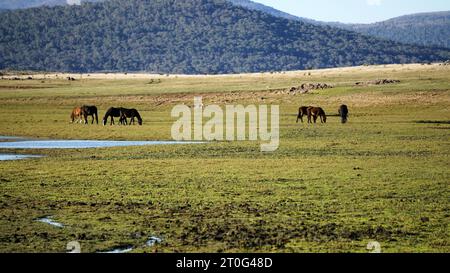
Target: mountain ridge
column 430, row 34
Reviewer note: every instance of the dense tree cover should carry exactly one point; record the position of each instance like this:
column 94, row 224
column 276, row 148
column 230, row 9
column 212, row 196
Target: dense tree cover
column 181, row 36
column 427, row 29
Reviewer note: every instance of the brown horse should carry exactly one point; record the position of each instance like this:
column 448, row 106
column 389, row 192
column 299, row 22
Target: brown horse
column 302, row 111
column 77, row 114
column 316, row 112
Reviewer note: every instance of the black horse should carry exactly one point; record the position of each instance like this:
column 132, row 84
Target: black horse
column 113, row 113
column 343, row 113
column 89, row 111
column 130, row 113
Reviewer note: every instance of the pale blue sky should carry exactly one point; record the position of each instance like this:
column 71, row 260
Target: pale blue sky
column 355, row 11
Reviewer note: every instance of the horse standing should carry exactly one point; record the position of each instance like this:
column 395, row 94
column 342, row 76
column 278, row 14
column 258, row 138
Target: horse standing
column 302, row 111
column 77, row 114
column 343, row 113
column 130, row 113
column 315, row 112
column 89, row 111
column 113, row 113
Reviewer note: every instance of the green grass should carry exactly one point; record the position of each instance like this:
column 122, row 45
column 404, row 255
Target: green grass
column 329, row 188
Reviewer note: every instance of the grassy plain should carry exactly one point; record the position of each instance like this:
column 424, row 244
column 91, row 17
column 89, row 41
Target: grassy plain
column 384, row 176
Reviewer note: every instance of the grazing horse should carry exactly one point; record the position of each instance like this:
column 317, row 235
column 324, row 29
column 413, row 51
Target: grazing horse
column 315, row 112
column 90, row 111
column 77, row 114
column 113, row 113
column 130, row 113
column 302, row 111
column 343, row 113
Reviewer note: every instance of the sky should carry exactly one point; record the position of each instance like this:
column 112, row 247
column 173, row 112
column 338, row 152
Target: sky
column 355, row 11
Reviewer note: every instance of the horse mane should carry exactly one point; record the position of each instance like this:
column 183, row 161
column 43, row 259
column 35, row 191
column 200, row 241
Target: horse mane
column 108, row 113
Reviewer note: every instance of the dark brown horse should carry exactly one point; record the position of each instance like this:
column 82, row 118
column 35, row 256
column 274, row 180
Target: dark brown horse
column 130, row 113
column 315, row 112
column 302, row 111
column 77, row 114
column 89, row 111
column 343, row 113
column 113, row 113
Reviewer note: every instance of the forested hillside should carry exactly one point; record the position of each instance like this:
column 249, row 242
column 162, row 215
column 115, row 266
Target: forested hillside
column 177, row 36
column 428, row 29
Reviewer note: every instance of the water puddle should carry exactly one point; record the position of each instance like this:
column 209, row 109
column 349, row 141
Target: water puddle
column 49, row 220
column 2, row 138
column 83, row 144
column 152, row 241
column 119, row 250
column 6, row 157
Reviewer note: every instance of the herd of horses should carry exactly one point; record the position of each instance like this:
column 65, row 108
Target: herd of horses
column 313, row 113
column 81, row 114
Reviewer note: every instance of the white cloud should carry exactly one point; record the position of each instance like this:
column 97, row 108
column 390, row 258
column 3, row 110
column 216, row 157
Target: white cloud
column 74, row 2
column 374, row 2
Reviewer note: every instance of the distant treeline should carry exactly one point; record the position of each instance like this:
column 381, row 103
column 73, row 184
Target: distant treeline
column 177, row 36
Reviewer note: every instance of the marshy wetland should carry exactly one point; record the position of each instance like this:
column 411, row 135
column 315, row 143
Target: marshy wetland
column 330, row 187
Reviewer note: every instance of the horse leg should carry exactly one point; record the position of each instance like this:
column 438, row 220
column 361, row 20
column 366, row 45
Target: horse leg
column 300, row 116
column 315, row 119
